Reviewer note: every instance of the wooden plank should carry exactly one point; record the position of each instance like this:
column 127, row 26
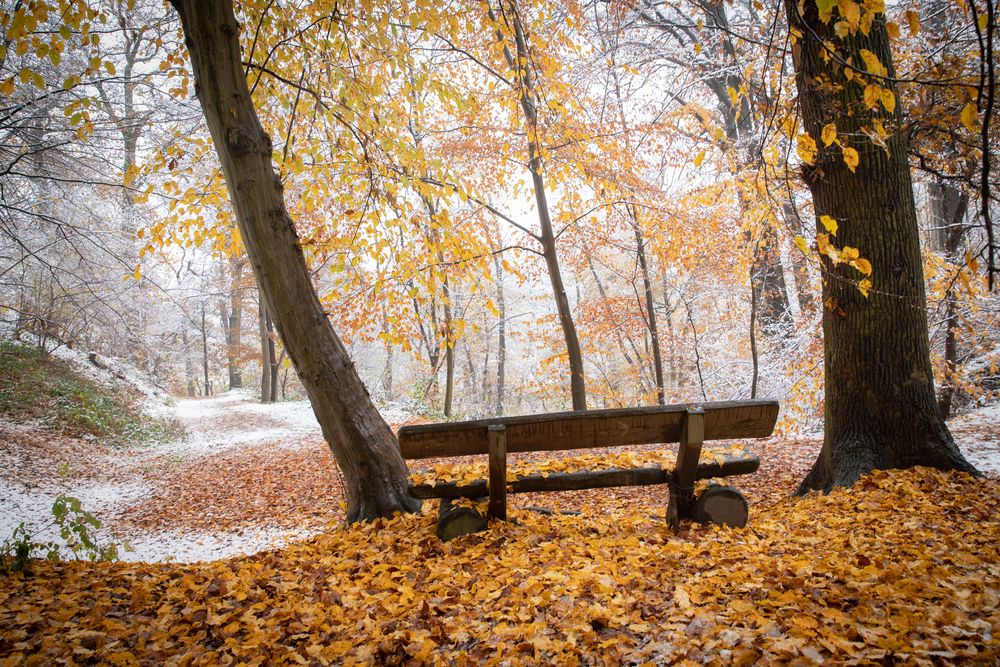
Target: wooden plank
column 685, row 473
column 589, row 479
column 587, row 429
column 497, row 445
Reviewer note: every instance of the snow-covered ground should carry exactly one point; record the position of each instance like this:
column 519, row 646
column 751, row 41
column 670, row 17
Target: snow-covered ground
column 212, row 424
column 978, row 436
column 114, row 481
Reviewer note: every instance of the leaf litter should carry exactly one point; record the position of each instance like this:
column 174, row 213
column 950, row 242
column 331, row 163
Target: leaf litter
column 902, row 568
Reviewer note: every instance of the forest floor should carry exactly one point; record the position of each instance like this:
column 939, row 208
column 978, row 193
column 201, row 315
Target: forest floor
column 249, row 476
column 903, row 568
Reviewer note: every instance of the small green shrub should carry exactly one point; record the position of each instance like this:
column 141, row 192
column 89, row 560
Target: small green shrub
column 75, row 526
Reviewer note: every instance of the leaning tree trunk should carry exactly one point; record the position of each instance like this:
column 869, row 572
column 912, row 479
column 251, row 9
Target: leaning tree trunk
column 365, row 448
column 880, row 404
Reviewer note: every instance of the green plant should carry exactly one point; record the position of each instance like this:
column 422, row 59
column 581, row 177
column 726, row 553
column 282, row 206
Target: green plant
column 75, row 526
column 37, row 386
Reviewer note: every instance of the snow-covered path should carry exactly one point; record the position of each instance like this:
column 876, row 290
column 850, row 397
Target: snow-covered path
column 245, row 478
column 109, row 482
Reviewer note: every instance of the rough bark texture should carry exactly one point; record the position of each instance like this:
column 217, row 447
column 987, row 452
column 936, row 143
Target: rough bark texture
column 880, row 404
column 365, row 448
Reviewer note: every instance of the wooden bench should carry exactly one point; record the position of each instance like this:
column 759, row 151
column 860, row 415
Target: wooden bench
column 688, row 425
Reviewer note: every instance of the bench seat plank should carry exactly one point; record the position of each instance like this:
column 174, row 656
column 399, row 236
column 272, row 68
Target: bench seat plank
column 731, row 464
column 588, row 429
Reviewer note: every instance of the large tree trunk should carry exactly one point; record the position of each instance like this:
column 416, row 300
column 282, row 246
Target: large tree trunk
column 365, row 448
column 880, row 404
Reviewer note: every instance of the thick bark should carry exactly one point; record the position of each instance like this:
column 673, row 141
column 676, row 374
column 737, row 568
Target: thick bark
column 361, row 441
column 880, row 404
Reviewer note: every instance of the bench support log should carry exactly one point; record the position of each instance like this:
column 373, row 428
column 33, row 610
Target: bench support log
column 721, row 505
column 496, row 444
column 456, row 520
column 685, row 473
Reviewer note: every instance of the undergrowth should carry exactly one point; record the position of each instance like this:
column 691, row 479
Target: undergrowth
column 37, row 386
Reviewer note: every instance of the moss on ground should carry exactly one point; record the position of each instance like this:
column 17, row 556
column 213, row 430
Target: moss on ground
column 36, row 386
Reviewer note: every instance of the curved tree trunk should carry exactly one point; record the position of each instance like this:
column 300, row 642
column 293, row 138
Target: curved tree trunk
column 365, row 448
column 880, row 404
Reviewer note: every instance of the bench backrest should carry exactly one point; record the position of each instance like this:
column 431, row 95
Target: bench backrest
column 586, row 429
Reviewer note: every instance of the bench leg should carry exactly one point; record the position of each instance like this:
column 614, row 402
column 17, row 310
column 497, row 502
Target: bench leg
column 496, row 445
column 688, row 453
column 456, row 520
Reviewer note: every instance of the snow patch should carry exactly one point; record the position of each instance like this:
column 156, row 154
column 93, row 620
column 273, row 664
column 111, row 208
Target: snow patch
column 189, row 547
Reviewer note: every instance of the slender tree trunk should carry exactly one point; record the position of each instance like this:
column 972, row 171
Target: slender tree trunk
column 948, row 207
column 389, row 353
column 647, row 286
column 753, row 341
column 234, row 325
column 265, row 351
column 272, row 356
column 189, row 376
column 204, row 351
column 520, row 65
column 501, row 336
column 880, row 405
column 361, row 441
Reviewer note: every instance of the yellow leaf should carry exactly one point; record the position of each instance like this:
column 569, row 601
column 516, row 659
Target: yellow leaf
column 864, row 286
column 893, row 28
column 137, row 274
column 851, row 159
column 862, row 265
column 969, row 116
column 873, row 64
column 699, row 158
column 888, row 100
column 734, row 95
column 829, row 223
column 806, row 148
column 913, row 19
column 829, row 133
column 7, row 87
column 802, row 245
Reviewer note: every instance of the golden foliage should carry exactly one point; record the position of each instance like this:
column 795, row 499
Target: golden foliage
column 901, row 568
column 605, row 460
